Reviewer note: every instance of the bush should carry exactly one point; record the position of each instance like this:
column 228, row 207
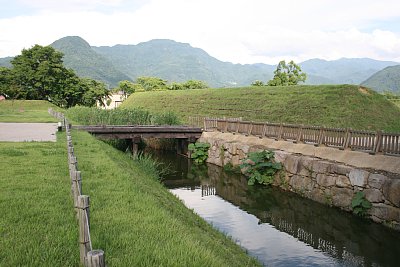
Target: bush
column 260, row 167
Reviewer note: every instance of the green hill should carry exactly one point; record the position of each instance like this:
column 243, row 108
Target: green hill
column 179, row 62
column 344, row 70
column 79, row 56
column 387, row 79
column 328, row 105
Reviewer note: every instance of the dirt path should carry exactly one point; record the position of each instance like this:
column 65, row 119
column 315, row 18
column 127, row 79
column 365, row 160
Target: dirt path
column 20, row 132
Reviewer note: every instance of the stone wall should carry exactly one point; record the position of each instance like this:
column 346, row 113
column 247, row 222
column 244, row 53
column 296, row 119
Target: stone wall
column 323, row 180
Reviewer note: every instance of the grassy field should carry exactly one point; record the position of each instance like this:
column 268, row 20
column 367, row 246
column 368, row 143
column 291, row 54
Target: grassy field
column 37, row 223
column 325, row 105
column 25, row 111
column 134, row 219
column 138, row 222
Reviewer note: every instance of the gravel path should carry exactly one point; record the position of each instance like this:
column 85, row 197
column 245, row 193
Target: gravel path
column 20, row 132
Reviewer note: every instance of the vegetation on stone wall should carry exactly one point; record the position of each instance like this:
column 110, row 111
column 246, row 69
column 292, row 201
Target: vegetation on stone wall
column 360, row 204
column 199, row 152
column 260, row 167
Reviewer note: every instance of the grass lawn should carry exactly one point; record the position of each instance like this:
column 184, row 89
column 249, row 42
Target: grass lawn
column 25, row 111
column 37, row 223
column 138, row 222
column 134, row 219
column 323, row 105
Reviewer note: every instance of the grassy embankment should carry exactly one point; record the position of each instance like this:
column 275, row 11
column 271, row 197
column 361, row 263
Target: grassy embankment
column 133, row 217
column 324, row 105
column 25, row 111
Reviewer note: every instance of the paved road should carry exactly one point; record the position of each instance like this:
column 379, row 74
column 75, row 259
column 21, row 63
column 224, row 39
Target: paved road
column 20, row 132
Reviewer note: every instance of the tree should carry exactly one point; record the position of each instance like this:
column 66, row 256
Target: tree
column 94, row 92
column 287, row 74
column 127, row 87
column 152, row 83
column 195, row 84
column 257, row 83
column 39, row 71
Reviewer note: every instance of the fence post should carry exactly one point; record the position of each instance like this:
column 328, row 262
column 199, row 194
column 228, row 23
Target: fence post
column 378, row 142
column 250, row 128
column 321, row 136
column 264, row 130
column 299, row 133
column 280, row 131
column 96, row 258
column 83, row 217
column 347, row 138
column 226, row 126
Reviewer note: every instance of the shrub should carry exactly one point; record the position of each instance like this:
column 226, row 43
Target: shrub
column 199, row 152
column 260, row 167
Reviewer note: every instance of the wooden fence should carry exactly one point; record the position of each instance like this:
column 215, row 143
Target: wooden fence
column 88, row 256
column 372, row 142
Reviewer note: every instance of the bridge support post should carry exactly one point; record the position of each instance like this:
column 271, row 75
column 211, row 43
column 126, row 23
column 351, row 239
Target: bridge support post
column 135, row 145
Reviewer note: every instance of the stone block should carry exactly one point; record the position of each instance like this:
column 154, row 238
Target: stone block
column 244, row 148
column 391, row 191
column 385, row 212
column 319, row 196
column 235, row 160
column 326, row 180
column 373, row 195
column 341, row 169
column 280, row 156
column 358, row 177
column 299, row 183
column 291, row 163
column 321, row 166
column 341, row 197
column 376, row 180
column 343, row 181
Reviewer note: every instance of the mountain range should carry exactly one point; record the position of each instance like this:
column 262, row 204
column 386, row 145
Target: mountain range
column 179, row 62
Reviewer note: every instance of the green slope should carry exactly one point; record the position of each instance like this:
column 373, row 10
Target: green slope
column 387, row 79
column 328, row 105
column 180, row 62
column 79, row 56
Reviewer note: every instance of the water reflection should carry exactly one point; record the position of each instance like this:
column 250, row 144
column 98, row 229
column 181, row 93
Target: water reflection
column 281, row 228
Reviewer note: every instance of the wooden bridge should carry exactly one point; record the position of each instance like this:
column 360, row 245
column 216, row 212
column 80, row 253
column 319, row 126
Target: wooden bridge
column 183, row 134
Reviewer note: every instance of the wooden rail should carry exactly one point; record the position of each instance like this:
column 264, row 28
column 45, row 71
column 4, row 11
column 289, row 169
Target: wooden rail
column 359, row 140
column 88, row 256
column 132, row 131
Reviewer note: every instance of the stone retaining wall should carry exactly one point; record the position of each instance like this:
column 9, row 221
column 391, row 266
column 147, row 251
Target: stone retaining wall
column 326, row 181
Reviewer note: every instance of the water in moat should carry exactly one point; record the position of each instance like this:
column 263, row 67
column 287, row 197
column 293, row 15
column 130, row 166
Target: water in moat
column 277, row 227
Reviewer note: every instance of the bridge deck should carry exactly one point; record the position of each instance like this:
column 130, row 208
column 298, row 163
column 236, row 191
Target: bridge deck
column 146, row 131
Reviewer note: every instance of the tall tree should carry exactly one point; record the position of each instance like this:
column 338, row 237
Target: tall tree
column 39, row 71
column 287, row 74
column 152, row 83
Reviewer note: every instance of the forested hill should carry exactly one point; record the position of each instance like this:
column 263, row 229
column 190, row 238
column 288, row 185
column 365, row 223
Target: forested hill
column 179, row 62
column 387, row 79
column 79, row 56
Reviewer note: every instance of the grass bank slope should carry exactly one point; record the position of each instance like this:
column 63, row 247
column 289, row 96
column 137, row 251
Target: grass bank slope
column 323, row 105
column 37, row 221
column 138, row 222
column 26, row 111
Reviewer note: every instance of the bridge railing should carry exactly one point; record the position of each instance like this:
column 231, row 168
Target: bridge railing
column 343, row 138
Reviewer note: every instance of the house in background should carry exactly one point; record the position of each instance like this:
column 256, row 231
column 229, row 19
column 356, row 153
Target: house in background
column 113, row 100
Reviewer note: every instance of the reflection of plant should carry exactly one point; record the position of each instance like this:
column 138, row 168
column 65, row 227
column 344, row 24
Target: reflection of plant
column 360, row 204
column 260, row 167
column 199, row 152
column 230, row 168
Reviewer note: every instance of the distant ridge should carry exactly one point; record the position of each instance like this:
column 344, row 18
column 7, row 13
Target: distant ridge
column 387, row 79
column 178, row 62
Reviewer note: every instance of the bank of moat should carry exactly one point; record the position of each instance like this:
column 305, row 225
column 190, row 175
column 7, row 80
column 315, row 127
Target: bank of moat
column 323, row 174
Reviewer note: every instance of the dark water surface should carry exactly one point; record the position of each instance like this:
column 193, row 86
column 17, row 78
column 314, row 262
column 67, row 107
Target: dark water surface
column 279, row 228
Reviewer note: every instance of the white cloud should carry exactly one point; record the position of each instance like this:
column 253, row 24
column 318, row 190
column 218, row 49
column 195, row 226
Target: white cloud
column 245, row 31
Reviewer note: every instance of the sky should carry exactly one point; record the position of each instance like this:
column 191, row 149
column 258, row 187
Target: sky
column 238, row 31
